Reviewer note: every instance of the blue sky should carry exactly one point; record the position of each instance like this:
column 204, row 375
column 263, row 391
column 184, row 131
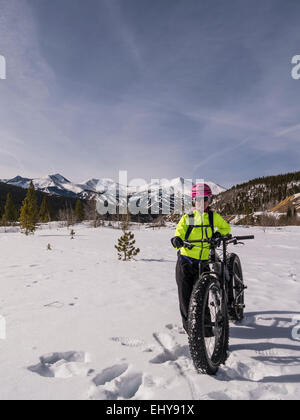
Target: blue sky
column 161, row 88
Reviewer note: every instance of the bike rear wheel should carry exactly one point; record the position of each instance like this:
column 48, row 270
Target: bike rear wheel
column 208, row 325
column 236, row 289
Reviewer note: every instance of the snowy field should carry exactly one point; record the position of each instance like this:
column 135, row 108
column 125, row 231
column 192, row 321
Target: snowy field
column 82, row 325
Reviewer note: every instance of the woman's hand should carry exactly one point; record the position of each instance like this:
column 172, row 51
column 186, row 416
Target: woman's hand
column 177, row 242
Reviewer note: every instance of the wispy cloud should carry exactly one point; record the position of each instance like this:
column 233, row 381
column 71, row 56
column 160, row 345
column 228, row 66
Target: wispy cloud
column 124, row 31
column 159, row 88
column 289, row 130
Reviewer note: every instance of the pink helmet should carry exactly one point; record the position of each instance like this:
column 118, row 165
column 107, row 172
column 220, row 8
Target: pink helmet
column 201, row 190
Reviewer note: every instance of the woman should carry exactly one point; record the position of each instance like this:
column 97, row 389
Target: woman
column 202, row 223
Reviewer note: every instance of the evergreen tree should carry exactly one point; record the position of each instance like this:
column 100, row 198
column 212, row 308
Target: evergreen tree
column 125, row 247
column 10, row 214
column 45, row 211
column 29, row 211
column 79, row 211
column 125, row 221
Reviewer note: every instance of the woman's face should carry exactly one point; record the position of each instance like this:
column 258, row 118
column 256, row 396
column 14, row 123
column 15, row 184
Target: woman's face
column 201, row 204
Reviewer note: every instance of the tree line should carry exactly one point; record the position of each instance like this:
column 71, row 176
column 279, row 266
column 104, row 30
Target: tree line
column 30, row 213
column 260, row 194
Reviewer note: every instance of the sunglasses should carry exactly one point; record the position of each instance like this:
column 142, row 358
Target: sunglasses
column 205, row 199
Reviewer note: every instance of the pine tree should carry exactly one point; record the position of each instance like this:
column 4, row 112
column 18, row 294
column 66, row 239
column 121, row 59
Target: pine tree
column 125, row 247
column 125, row 220
column 10, row 214
column 29, row 211
column 79, row 211
column 45, row 211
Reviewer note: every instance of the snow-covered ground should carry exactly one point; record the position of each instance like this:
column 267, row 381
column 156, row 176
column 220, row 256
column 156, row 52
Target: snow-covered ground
column 81, row 324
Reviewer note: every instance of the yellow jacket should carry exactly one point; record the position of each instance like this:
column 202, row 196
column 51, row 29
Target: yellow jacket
column 198, row 233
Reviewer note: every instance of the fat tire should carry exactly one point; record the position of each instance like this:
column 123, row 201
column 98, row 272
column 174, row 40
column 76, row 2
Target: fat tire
column 235, row 314
column 196, row 321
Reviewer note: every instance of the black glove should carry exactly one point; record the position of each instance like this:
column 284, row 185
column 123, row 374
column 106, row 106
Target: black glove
column 177, row 242
column 217, row 238
column 217, row 235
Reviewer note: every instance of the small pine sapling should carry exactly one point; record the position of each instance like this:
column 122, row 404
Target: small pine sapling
column 126, row 249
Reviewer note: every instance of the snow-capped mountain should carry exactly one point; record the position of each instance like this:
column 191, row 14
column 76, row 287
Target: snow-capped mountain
column 18, row 181
column 52, row 184
column 140, row 197
column 168, row 193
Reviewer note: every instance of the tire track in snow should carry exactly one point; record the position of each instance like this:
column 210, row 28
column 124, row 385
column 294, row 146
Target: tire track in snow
column 172, row 357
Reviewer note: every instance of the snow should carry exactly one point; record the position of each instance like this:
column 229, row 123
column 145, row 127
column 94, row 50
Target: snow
column 83, row 325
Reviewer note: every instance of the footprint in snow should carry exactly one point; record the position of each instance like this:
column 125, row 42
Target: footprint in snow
column 218, row 395
column 63, row 365
column 248, row 370
column 176, row 328
column 133, row 342
column 109, row 374
column 116, row 382
column 293, row 276
column 128, row 342
column 171, row 351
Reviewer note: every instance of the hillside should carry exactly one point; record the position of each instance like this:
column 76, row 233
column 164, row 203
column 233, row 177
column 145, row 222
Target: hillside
column 292, row 202
column 258, row 195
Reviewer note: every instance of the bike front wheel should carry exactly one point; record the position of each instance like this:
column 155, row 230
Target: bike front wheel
column 208, row 325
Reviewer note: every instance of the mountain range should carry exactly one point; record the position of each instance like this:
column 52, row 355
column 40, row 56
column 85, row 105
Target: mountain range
column 143, row 196
column 274, row 195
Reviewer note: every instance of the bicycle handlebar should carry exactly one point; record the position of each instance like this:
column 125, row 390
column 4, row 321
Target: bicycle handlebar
column 243, row 238
column 227, row 238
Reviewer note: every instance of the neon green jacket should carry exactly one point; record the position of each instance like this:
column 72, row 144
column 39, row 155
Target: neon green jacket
column 199, row 233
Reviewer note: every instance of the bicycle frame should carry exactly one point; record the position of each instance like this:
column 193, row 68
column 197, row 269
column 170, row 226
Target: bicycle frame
column 209, row 335
column 222, row 276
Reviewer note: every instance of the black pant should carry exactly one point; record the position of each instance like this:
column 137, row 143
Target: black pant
column 187, row 273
